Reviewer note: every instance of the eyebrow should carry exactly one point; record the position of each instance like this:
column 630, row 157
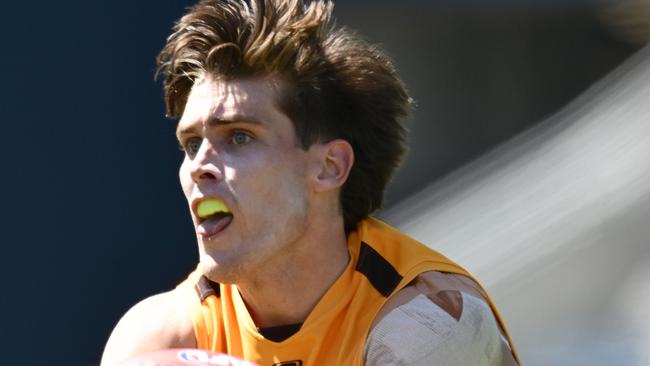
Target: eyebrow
column 218, row 121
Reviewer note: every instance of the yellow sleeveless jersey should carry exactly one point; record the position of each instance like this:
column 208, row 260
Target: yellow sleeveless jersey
column 382, row 261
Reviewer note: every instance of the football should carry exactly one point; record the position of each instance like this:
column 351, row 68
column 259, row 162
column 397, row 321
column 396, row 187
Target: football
column 184, row 357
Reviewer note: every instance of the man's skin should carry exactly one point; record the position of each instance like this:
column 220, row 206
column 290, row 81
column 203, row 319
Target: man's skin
column 285, row 245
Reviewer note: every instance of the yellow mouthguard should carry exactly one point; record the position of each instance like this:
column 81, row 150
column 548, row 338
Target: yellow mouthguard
column 210, row 206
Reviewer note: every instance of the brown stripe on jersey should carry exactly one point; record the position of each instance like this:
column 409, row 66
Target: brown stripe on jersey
column 204, row 288
column 381, row 274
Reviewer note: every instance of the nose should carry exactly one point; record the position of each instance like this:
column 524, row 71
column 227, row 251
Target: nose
column 206, row 164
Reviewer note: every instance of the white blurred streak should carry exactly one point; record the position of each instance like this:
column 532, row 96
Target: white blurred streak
column 552, row 222
column 633, row 304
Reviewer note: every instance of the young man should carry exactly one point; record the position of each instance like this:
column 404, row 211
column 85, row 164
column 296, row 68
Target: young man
column 291, row 130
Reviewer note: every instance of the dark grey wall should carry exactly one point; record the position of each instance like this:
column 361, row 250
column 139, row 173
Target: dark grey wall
column 93, row 218
column 482, row 71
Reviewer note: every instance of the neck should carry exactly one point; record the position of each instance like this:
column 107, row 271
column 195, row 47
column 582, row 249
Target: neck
column 286, row 291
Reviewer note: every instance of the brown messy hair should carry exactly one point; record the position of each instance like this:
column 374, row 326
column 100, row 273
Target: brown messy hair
column 335, row 84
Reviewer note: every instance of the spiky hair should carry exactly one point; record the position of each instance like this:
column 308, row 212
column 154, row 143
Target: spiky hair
column 335, row 85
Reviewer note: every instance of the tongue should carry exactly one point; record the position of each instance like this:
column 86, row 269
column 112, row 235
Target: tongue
column 214, row 224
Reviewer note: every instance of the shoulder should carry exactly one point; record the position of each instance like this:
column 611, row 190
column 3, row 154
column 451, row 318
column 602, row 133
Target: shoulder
column 157, row 322
column 441, row 319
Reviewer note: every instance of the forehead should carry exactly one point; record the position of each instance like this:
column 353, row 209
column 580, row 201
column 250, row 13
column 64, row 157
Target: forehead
column 254, row 99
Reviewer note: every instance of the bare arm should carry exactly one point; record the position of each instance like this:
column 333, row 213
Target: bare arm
column 158, row 322
column 440, row 319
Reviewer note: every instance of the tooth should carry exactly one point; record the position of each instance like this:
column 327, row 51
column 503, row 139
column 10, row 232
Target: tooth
column 210, row 206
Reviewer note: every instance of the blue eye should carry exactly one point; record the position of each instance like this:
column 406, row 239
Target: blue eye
column 240, row 138
column 192, row 146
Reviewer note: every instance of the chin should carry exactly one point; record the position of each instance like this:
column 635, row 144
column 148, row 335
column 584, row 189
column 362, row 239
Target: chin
column 221, row 271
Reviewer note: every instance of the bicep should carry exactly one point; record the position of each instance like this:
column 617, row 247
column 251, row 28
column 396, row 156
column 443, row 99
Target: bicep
column 155, row 323
column 419, row 332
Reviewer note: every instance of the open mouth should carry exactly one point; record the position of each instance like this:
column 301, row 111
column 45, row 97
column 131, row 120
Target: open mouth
column 213, row 217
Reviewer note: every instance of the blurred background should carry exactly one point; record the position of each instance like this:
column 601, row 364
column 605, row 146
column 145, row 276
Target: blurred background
column 529, row 165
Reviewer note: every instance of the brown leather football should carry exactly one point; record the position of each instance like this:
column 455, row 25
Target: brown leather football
column 185, row 357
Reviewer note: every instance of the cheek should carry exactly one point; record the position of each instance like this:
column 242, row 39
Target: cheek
column 268, row 179
column 185, row 178
column 284, row 186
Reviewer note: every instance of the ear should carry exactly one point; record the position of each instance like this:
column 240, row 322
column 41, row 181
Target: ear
column 335, row 159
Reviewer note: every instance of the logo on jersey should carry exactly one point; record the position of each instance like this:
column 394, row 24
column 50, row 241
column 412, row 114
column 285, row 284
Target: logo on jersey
column 289, row 363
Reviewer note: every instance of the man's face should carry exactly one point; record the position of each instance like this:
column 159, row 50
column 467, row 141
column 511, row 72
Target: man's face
column 242, row 150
